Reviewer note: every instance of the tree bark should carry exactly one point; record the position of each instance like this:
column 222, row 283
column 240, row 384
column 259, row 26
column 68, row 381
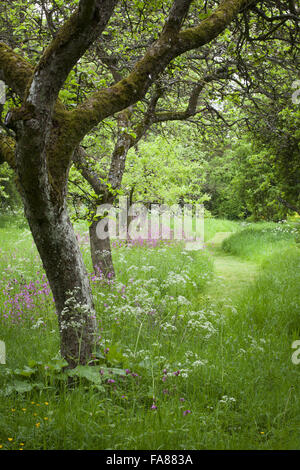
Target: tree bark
column 44, row 199
column 62, row 260
column 101, row 253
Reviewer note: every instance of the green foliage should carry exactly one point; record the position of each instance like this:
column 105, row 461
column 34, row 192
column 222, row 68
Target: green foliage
column 243, row 183
column 9, row 197
column 166, row 172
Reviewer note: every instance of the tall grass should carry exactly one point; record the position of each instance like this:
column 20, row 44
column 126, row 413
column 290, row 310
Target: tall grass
column 213, row 226
column 259, row 241
column 194, row 375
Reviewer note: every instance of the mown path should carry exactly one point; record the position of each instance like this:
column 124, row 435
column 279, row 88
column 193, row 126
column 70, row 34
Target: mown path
column 232, row 274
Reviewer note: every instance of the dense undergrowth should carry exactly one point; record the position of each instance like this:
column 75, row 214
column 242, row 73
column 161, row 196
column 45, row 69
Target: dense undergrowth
column 174, row 368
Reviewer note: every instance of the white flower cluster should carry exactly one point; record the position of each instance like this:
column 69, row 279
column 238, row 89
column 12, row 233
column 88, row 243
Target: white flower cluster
column 74, row 314
column 227, row 400
column 38, row 323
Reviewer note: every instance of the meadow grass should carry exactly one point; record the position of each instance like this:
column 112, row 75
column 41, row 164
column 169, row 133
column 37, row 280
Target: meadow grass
column 188, row 372
column 261, row 240
column 213, row 226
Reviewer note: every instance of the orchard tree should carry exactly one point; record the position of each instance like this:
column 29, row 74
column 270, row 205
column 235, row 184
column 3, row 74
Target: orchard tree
column 47, row 133
column 133, row 124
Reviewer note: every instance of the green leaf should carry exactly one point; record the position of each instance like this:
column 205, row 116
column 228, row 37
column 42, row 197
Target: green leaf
column 92, row 374
column 26, row 372
column 18, row 387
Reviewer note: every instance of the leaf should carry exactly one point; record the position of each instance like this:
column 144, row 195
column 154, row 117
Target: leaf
column 18, row 387
column 22, row 387
column 115, row 356
column 92, row 374
column 26, row 372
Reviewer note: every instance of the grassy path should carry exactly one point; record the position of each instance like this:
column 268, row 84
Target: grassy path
column 232, row 274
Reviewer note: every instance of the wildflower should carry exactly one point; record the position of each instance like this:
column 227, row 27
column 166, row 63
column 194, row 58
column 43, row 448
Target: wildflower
column 186, row 412
column 1, row 446
column 46, row 418
column 37, row 425
column 10, row 439
column 181, row 399
column 13, row 409
column 153, row 407
column 23, row 409
column 22, row 444
column 33, row 402
column 34, row 414
column 46, row 403
column 111, row 381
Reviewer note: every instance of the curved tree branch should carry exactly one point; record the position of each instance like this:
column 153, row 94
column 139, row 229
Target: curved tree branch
column 170, row 45
column 70, row 43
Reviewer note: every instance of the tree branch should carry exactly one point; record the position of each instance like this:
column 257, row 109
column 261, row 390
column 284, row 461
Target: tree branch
column 288, row 205
column 133, row 88
column 177, row 16
column 69, row 44
column 80, row 159
column 191, row 109
column 270, row 19
column 111, row 62
column 14, row 70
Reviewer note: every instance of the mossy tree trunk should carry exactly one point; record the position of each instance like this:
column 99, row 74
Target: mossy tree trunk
column 41, row 157
column 47, row 215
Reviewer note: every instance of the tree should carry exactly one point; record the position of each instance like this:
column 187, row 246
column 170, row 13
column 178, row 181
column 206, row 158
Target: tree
column 47, row 134
column 132, row 126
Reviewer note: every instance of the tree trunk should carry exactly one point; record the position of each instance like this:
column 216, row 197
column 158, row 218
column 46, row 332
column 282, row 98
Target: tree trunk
column 45, row 209
column 101, row 253
column 63, row 263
